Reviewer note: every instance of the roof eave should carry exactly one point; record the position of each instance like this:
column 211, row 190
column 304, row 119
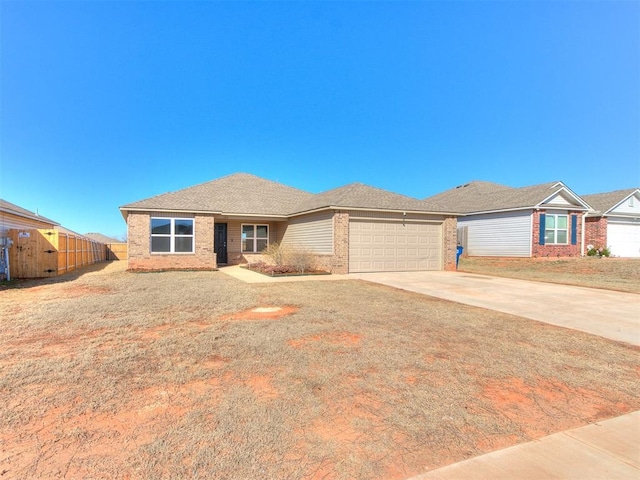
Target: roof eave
column 364, row 209
column 532, row 207
column 126, row 210
column 30, row 217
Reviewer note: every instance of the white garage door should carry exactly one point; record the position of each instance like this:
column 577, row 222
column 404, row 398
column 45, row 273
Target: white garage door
column 624, row 239
column 394, row 247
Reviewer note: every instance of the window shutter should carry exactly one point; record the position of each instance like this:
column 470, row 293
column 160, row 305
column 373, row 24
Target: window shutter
column 543, row 218
column 574, row 229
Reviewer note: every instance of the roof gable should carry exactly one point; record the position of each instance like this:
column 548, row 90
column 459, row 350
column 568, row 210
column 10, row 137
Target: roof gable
column 476, row 197
column 617, row 201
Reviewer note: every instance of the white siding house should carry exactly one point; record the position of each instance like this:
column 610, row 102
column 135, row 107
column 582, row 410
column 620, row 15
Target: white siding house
column 615, row 222
column 505, row 234
column 500, row 221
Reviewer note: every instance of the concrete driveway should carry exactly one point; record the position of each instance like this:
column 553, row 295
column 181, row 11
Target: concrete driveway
column 613, row 315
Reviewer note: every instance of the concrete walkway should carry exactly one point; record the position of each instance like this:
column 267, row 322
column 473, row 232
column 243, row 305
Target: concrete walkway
column 613, row 315
column 608, row 449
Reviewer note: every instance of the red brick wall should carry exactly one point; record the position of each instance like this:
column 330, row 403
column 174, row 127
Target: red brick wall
column 595, row 232
column 141, row 259
column 551, row 250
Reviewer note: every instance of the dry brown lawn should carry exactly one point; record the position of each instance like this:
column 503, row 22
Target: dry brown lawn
column 196, row 375
column 622, row 274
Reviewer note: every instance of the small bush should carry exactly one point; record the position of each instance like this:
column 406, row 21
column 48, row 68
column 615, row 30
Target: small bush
column 285, row 259
column 301, row 259
column 598, row 251
column 277, row 253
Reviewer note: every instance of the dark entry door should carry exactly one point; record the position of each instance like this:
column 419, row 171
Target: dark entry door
column 220, row 242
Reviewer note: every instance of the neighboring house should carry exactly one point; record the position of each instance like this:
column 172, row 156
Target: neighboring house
column 355, row 228
column 12, row 216
column 615, row 222
column 537, row 221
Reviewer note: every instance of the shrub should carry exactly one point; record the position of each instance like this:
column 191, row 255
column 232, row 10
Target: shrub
column 277, row 253
column 598, row 251
column 301, row 259
column 286, row 259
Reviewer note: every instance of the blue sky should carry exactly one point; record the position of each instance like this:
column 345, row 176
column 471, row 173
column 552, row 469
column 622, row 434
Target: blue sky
column 105, row 103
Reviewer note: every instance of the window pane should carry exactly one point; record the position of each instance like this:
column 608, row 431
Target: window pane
column 184, row 227
column 244, row 244
column 247, row 231
column 263, row 231
column 550, row 222
column 562, row 236
column 562, row 221
column 549, row 236
column 184, row 244
column 160, row 244
column 160, row 226
column 262, row 244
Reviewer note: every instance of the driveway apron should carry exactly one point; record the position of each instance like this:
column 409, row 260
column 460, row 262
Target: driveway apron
column 613, row 315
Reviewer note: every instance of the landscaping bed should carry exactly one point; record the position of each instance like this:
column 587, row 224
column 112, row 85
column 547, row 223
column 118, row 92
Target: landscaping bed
column 281, row 270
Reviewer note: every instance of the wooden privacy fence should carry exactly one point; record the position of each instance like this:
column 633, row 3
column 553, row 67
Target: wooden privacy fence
column 116, row 251
column 49, row 252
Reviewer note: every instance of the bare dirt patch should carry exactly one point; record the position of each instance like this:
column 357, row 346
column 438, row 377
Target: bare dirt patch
column 262, row 313
column 621, row 274
column 194, row 374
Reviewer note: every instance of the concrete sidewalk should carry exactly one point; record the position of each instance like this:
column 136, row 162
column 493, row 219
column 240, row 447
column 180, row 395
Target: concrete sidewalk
column 609, row 449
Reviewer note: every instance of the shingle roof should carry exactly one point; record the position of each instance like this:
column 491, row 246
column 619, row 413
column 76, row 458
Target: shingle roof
column 98, row 237
column 480, row 196
column 240, row 193
column 358, row 195
column 245, row 194
column 23, row 212
column 603, row 202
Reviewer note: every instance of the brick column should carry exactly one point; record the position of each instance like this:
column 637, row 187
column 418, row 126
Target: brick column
column 450, row 235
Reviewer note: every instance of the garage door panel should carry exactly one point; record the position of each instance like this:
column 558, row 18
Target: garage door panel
column 392, row 246
column 624, row 239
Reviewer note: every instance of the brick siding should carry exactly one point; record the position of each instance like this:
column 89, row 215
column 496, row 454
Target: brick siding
column 450, row 235
column 141, row 258
column 595, row 232
column 553, row 250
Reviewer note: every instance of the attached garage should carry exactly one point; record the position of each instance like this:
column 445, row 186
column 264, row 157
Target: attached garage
column 394, row 246
column 623, row 237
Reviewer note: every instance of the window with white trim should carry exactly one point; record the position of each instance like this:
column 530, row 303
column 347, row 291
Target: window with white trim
column 255, row 238
column 556, row 229
column 172, row 235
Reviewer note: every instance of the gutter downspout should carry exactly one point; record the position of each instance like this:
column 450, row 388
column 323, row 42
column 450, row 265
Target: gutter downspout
column 5, row 252
column 582, row 237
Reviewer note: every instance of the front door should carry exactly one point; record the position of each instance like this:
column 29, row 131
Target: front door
column 220, row 243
